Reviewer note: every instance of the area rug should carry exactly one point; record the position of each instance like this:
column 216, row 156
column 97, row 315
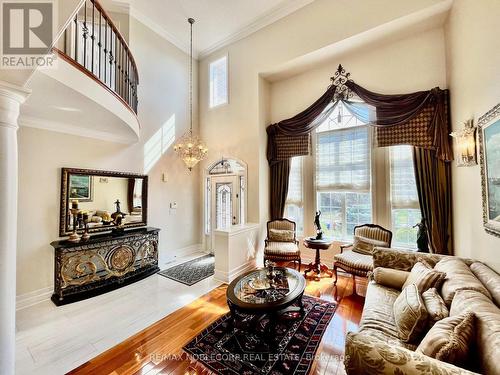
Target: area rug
column 225, row 350
column 191, row 272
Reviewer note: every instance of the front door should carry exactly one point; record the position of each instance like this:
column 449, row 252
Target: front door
column 224, row 204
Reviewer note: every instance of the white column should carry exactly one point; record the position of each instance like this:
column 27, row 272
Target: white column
column 11, row 98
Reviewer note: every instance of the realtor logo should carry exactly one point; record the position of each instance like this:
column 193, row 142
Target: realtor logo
column 27, row 31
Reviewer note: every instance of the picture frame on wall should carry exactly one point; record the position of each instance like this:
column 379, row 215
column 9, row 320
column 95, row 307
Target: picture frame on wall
column 489, row 152
column 80, row 188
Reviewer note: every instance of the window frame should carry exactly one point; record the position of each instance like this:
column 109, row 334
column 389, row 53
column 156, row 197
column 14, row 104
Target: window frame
column 390, row 207
column 315, row 190
column 210, row 107
column 300, row 233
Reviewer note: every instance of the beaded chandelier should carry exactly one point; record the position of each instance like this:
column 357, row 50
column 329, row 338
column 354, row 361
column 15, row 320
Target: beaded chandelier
column 191, row 148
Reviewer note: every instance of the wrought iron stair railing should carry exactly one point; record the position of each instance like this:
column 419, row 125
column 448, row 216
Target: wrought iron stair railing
column 94, row 45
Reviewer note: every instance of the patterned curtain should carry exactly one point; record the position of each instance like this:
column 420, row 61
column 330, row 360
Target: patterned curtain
column 433, row 179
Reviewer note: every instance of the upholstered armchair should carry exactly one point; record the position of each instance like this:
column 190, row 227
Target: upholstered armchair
column 281, row 242
column 357, row 258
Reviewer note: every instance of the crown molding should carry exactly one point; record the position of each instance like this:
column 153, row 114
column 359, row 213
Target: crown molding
column 268, row 18
column 160, row 30
column 273, row 15
column 59, row 127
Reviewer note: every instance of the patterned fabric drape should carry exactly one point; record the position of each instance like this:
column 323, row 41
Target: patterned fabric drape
column 280, row 172
column 419, row 119
column 414, row 132
column 433, row 179
column 290, row 138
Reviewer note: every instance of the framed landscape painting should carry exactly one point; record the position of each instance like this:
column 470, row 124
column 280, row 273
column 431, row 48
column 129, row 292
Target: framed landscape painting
column 80, row 187
column 489, row 149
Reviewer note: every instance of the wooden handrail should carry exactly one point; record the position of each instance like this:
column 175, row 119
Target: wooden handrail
column 94, row 43
column 72, row 62
column 105, row 14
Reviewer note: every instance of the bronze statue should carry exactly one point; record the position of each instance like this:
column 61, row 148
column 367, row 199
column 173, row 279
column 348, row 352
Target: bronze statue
column 319, row 232
column 422, row 238
column 118, row 211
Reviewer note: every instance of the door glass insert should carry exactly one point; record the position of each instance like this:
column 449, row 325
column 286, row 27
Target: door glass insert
column 224, row 211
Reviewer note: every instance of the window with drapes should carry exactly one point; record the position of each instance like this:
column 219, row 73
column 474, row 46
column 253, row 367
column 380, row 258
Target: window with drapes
column 343, row 173
column 343, row 181
column 405, row 208
column 294, row 207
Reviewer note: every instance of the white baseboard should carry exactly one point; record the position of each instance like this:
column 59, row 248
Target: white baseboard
column 34, row 297
column 180, row 253
column 227, row 277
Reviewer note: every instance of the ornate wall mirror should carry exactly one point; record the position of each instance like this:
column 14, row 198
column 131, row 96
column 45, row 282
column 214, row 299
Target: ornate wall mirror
column 101, row 196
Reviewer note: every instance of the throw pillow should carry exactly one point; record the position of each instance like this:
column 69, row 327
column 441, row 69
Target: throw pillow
column 410, row 314
column 449, row 340
column 435, row 305
column 390, row 277
column 458, row 276
column 281, row 235
column 364, row 245
column 424, row 277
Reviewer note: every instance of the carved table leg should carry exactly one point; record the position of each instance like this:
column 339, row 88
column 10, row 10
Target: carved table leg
column 318, row 268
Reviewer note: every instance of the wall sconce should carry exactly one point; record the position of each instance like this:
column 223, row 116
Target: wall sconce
column 465, row 144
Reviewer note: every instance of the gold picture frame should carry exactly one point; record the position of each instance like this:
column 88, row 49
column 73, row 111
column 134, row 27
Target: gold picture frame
column 489, row 154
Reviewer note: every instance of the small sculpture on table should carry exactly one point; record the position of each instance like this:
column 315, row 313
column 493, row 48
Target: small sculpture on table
column 74, row 237
column 86, row 234
column 118, row 211
column 317, row 224
column 270, row 269
column 119, row 229
column 422, row 237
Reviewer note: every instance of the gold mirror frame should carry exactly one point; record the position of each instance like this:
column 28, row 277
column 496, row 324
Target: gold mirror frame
column 64, row 202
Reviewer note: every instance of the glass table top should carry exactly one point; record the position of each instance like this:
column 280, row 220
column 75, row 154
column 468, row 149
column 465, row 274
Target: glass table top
column 263, row 286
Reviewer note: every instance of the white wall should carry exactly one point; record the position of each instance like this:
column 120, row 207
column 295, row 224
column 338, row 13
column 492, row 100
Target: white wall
column 383, row 69
column 473, row 61
column 163, row 95
column 236, row 129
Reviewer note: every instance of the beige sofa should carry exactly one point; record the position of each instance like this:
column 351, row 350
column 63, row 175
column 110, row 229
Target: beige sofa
column 376, row 348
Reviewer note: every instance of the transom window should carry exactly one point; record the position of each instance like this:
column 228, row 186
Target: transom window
column 219, row 83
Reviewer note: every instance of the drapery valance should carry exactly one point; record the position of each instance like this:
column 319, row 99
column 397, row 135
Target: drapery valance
column 419, row 119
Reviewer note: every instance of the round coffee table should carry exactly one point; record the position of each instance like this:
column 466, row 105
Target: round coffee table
column 317, row 267
column 261, row 295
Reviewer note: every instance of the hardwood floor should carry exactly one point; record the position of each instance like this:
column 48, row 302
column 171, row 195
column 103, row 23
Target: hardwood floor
column 158, row 348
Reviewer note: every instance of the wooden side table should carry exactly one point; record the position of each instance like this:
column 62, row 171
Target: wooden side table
column 317, row 267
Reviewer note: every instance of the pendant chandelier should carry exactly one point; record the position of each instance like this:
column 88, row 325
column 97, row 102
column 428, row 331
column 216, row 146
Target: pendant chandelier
column 191, row 148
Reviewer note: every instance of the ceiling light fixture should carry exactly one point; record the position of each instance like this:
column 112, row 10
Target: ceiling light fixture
column 191, row 148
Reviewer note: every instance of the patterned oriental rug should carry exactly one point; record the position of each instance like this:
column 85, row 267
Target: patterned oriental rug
column 224, row 350
column 191, row 272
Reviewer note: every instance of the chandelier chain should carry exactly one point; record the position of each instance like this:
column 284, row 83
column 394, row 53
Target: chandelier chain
column 190, row 148
column 191, row 21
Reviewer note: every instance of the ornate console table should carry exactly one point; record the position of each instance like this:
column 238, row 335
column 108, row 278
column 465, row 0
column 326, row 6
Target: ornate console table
column 103, row 263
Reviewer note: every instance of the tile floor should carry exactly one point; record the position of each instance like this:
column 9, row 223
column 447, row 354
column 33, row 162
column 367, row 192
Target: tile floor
column 54, row 340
